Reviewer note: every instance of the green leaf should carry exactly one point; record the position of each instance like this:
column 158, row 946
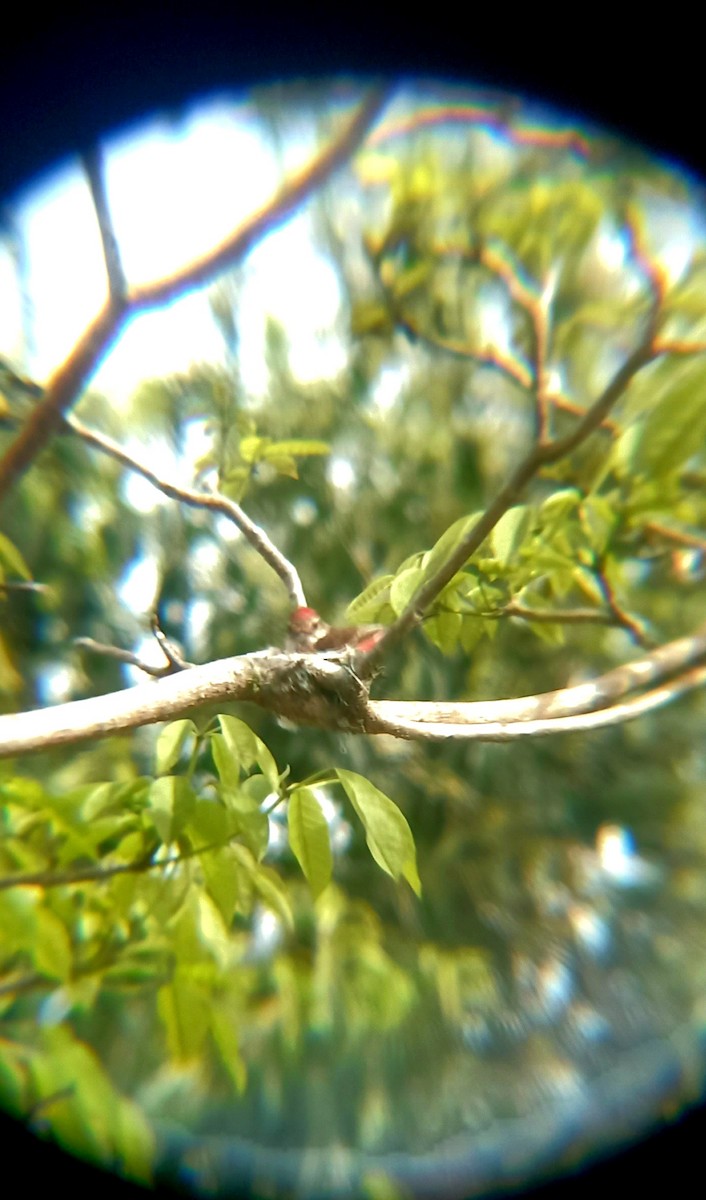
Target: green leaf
column 209, row 822
column 672, row 430
column 51, row 952
column 236, row 482
column 271, row 891
column 587, row 583
column 404, row 586
column 299, row 447
column 547, row 631
column 171, row 803
column 249, row 749
column 170, row 744
column 283, row 464
column 258, row 790
column 11, row 682
column 309, row 838
column 251, row 823
column 387, row 832
column 12, row 560
column 220, row 876
column 444, row 630
column 367, row 605
column 184, row 1007
column 226, row 761
column 510, row 532
column 13, row 1080
column 100, row 800
column 224, row 1032
column 448, row 543
column 472, row 631
column 254, row 449
column 411, row 279
column 84, row 1111
column 266, row 883
column 599, row 519
column 369, row 317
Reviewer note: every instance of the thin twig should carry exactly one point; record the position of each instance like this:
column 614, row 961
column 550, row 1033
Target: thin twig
column 23, row 585
column 88, row 874
column 534, row 306
column 501, row 120
column 558, row 616
column 547, row 616
column 169, row 650
column 692, row 540
column 129, row 658
column 215, row 501
column 539, row 456
column 94, row 167
column 98, row 873
column 622, row 616
column 679, row 346
column 515, row 370
column 175, row 661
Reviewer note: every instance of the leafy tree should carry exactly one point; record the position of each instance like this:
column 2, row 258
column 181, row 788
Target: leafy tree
column 258, row 927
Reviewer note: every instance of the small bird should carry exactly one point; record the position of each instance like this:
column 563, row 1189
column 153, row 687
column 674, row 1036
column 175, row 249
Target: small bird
column 308, row 633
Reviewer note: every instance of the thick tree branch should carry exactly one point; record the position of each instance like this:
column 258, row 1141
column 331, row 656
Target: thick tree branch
column 61, row 392
column 308, row 689
column 325, row 691
column 509, row 731
column 672, row 661
column 64, row 386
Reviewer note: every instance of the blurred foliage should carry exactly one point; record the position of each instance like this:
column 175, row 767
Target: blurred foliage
column 277, row 986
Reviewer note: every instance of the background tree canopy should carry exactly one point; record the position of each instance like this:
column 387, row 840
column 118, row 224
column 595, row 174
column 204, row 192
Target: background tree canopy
column 406, row 958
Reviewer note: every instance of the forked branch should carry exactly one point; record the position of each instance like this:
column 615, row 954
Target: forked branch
column 325, row 691
column 65, row 385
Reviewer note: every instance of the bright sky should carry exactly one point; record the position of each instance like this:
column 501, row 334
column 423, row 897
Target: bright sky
column 175, row 189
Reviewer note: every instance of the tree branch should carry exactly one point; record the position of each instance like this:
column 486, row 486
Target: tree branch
column 542, row 454
column 174, row 661
column 99, row 872
column 501, row 120
column 508, row 731
column 325, row 691
column 96, row 872
column 558, row 616
column 622, row 617
column 672, row 659
column 95, row 173
column 214, row 501
column 679, row 536
column 65, row 385
column 308, row 689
